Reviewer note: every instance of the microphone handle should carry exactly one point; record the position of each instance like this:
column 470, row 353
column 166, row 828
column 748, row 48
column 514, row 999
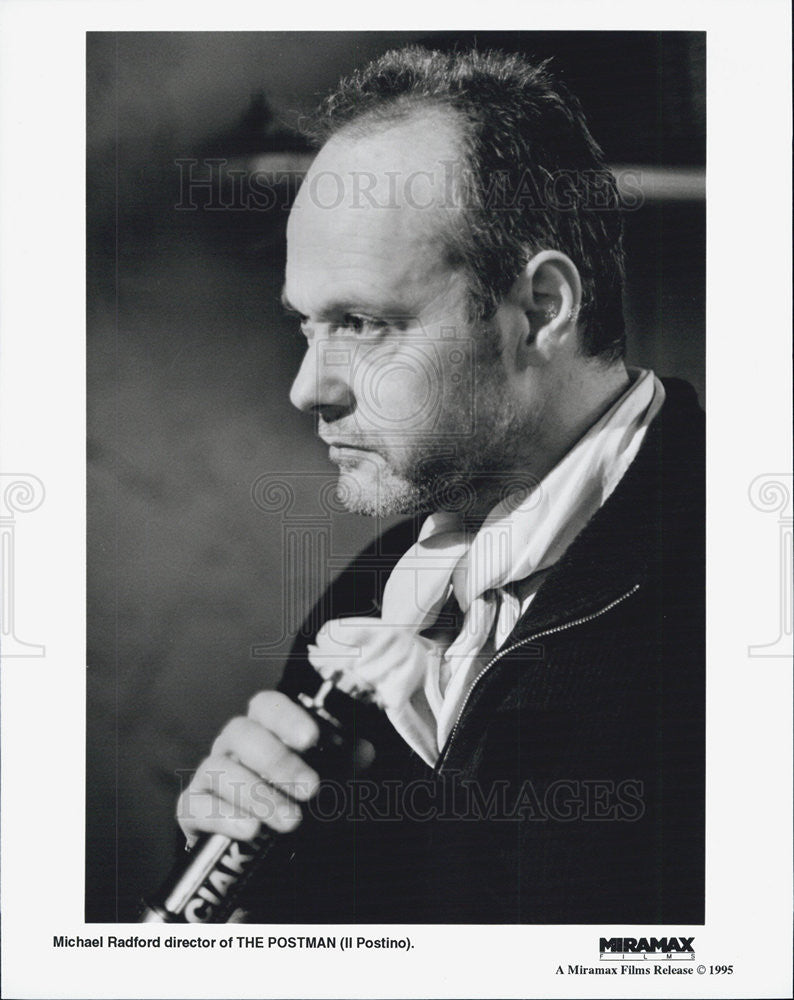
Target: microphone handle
column 205, row 887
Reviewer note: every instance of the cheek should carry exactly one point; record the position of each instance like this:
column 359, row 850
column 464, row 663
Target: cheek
column 400, row 391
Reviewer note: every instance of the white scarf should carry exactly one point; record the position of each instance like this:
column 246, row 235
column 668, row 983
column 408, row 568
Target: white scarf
column 420, row 684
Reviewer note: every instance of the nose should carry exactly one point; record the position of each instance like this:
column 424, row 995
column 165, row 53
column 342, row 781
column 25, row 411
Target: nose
column 322, row 385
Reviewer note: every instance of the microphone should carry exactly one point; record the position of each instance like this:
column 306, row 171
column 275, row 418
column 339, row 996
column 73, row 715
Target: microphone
column 206, row 886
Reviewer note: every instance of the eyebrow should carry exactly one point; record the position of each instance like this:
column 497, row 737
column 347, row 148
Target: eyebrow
column 344, row 307
column 329, row 309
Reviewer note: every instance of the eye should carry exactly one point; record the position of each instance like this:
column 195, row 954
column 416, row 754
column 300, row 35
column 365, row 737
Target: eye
column 362, row 325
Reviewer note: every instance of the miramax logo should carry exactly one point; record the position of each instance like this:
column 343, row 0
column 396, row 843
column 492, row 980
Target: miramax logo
column 663, row 949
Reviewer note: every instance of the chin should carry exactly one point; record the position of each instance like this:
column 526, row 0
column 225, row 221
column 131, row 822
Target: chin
column 381, row 495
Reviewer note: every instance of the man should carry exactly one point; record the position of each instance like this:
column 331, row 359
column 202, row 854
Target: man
column 536, row 650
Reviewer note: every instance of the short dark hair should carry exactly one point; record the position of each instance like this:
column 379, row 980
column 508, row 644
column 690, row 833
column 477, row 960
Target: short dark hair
column 535, row 177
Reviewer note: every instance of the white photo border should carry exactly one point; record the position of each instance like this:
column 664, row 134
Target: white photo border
column 42, row 409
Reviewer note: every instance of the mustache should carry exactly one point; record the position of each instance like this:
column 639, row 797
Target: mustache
column 345, row 438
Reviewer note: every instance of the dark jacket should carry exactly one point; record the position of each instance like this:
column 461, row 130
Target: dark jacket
column 572, row 787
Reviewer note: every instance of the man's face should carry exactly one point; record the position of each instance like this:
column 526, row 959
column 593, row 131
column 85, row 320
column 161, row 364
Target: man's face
column 407, row 392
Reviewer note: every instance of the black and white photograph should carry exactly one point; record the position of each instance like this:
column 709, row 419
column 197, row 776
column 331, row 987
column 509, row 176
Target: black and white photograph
column 493, row 557
column 408, row 565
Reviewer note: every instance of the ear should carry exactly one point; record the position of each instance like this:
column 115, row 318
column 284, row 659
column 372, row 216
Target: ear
column 549, row 292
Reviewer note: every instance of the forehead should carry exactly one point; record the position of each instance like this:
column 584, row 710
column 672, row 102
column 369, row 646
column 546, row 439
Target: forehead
column 374, row 212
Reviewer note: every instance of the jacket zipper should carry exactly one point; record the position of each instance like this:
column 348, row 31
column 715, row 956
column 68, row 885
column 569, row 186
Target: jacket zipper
column 524, row 642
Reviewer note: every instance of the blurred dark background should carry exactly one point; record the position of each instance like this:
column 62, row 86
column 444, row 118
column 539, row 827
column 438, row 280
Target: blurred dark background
column 190, row 431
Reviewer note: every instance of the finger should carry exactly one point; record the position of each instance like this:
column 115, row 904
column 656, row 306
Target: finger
column 289, row 722
column 241, row 794
column 260, row 751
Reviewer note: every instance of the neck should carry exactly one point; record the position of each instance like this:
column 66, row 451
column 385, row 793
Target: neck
column 584, row 398
column 578, row 402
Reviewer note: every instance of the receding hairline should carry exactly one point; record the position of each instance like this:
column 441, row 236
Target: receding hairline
column 404, row 112
column 449, row 169
column 391, row 111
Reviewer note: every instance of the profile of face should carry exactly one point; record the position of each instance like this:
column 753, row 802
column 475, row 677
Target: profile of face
column 409, row 394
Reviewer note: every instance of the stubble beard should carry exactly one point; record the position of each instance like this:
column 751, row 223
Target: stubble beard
column 388, row 491
column 469, row 475
column 393, row 495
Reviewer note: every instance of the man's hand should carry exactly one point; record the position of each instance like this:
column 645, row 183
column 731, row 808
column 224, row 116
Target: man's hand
column 254, row 774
